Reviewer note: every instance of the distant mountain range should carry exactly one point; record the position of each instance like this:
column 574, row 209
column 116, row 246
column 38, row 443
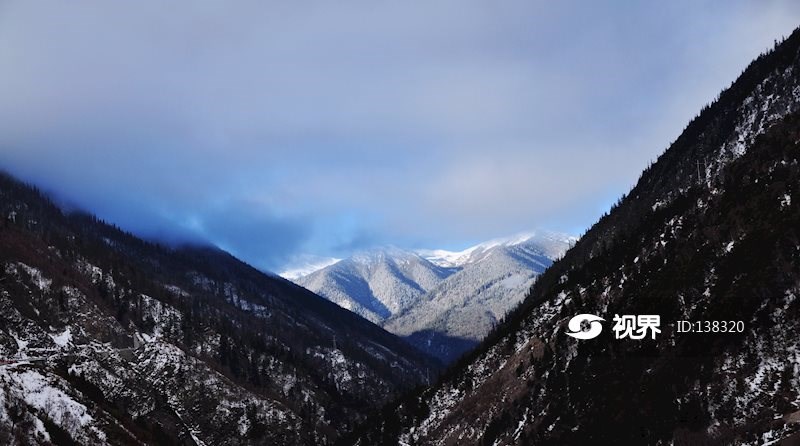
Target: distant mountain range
column 443, row 302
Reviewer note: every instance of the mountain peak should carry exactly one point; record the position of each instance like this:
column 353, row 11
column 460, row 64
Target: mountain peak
column 383, row 253
column 551, row 243
column 304, row 265
column 442, row 301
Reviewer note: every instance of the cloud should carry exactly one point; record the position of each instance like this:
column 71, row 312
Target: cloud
column 275, row 129
column 253, row 232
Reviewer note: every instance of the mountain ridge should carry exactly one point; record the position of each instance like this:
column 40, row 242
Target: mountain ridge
column 686, row 243
column 447, row 258
column 442, row 302
column 106, row 337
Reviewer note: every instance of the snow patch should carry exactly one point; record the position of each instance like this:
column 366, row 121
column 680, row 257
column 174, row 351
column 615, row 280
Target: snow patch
column 63, row 339
column 786, row 201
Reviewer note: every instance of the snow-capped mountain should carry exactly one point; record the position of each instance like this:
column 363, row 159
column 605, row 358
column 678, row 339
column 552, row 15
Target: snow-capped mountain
column 549, row 243
column 305, row 265
column 444, row 302
column 492, row 278
column 377, row 283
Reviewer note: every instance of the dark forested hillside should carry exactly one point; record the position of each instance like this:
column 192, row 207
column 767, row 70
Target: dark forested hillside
column 105, row 338
column 711, row 232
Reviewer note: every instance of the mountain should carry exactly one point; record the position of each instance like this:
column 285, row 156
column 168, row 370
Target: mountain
column 109, row 339
column 376, row 283
column 710, row 232
column 493, row 278
column 305, row 265
column 550, row 244
column 442, row 302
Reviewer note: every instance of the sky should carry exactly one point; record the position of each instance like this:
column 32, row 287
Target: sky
column 276, row 130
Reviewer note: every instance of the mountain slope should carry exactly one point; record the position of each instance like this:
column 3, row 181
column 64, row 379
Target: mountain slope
column 461, row 310
column 546, row 243
column 721, row 245
column 105, row 338
column 304, row 265
column 376, row 283
column 442, row 302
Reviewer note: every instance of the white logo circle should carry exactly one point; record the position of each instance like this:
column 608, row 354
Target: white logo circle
column 595, row 327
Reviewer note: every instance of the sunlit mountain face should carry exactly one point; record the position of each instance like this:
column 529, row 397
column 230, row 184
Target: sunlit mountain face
column 443, row 302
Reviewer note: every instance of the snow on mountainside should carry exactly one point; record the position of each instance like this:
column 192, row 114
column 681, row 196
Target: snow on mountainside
column 494, row 277
column 376, row 283
column 719, row 245
column 443, row 302
column 306, row 265
column 551, row 243
column 108, row 339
